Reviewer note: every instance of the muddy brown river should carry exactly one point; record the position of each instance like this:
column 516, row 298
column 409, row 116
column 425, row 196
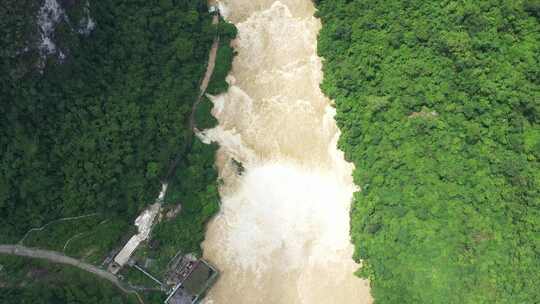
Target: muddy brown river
column 282, row 236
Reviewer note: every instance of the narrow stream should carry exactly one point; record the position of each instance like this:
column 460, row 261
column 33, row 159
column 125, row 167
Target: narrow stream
column 282, row 236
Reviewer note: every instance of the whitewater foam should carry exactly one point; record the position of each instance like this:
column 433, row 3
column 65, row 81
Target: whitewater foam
column 282, row 235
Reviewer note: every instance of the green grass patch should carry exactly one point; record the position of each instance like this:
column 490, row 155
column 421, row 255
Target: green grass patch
column 92, row 246
column 89, row 238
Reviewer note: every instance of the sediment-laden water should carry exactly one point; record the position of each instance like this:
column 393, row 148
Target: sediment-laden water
column 282, row 235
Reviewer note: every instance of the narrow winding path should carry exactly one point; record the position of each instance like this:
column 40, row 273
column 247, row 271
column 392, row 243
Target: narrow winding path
column 192, row 124
column 204, row 83
column 207, row 77
column 57, row 257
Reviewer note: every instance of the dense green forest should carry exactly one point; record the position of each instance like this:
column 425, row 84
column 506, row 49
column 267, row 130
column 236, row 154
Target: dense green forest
column 93, row 130
column 439, row 107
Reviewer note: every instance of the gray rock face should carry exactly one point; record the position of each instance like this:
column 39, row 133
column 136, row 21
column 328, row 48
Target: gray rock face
column 50, row 15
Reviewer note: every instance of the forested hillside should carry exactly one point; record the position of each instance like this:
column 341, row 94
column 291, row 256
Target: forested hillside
column 90, row 127
column 439, row 107
column 95, row 131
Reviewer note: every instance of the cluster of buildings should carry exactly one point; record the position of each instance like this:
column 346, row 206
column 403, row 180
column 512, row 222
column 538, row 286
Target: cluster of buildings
column 187, row 278
column 191, row 279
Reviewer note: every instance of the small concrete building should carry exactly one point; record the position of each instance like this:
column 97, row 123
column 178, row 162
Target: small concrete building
column 194, row 279
column 144, row 224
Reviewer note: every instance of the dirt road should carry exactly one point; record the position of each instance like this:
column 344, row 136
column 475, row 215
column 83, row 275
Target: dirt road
column 59, row 258
column 207, row 77
column 202, row 90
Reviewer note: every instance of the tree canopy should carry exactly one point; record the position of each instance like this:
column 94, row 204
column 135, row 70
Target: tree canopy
column 438, row 103
column 94, row 128
column 97, row 130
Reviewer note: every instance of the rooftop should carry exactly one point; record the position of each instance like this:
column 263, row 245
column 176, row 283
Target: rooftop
column 144, row 224
column 192, row 287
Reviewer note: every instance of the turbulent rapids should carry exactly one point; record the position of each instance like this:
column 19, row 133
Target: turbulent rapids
column 282, row 235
